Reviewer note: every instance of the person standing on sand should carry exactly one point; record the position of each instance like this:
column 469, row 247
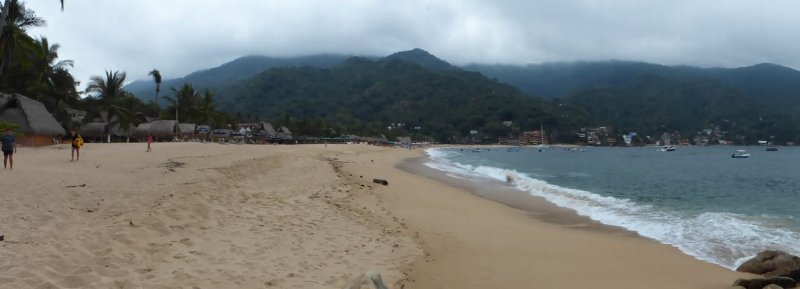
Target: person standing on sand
column 149, row 141
column 77, row 142
column 9, row 148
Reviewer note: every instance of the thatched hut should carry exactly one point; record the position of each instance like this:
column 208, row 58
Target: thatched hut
column 94, row 131
column 186, row 130
column 164, row 129
column 38, row 126
column 285, row 134
column 269, row 131
column 140, row 132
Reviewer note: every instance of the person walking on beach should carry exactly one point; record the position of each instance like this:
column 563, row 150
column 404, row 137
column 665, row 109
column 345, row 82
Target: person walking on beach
column 149, row 141
column 77, row 143
column 9, row 148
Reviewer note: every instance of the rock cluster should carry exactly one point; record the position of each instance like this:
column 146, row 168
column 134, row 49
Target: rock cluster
column 782, row 270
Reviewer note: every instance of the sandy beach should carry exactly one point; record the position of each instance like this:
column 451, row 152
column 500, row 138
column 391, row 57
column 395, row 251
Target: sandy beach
column 190, row 215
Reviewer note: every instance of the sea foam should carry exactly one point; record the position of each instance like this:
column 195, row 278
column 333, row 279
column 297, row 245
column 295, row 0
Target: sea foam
column 723, row 238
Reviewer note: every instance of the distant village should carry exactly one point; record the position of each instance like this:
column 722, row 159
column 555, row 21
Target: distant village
column 607, row 136
column 39, row 127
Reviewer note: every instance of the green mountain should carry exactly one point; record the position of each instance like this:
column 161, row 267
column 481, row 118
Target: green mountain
column 422, row 58
column 752, row 103
column 239, row 69
column 397, row 95
column 413, row 87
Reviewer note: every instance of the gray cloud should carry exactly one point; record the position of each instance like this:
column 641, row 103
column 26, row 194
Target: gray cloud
column 181, row 36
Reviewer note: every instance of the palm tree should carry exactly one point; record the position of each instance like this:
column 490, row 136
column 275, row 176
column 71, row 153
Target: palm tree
column 131, row 115
column 109, row 95
column 157, row 78
column 183, row 102
column 16, row 19
column 47, row 68
column 207, row 109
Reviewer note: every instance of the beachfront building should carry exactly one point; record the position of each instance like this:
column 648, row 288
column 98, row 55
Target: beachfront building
column 37, row 125
column 93, row 131
column 163, row 129
column 536, row 137
column 140, row 132
column 186, row 131
column 285, row 134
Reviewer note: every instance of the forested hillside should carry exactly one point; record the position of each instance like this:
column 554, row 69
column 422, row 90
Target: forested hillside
column 239, row 69
column 394, row 96
column 334, row 94
column 750, row 103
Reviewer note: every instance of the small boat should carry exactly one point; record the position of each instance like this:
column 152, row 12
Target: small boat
column 740, row 154
column 476, row 150
column 668, row 149
column 772, row 149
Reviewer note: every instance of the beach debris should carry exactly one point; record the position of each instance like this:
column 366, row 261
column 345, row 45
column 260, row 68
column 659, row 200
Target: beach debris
column 369, row 277
column 381, row 181
column 2, row 238
column 75, row 186
column 761, row 283
column 771, row 263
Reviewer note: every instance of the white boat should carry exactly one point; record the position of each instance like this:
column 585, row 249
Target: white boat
column 668, row 149
column 740, row 154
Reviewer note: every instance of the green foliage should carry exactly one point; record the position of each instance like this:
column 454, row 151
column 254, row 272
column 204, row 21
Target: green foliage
column 31, row 66
column 194, row 107
column 4, row 125
column 391, row 97
column 752, row 103
column 218, row 78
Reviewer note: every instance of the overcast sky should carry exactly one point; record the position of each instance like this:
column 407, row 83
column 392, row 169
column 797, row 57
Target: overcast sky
column 181, row 36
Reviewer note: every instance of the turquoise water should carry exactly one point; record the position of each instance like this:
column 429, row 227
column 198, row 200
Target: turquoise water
column 698, row 199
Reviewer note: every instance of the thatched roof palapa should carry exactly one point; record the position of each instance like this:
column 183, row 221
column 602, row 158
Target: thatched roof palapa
column 31, row 116
column 94, row 130
column 140, row 131
column 163, row 128
column 269, row 129
column 186, row 129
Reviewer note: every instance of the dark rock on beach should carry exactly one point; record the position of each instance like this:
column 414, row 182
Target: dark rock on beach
column 380, row 181
column 772, row 263
column 761, row 283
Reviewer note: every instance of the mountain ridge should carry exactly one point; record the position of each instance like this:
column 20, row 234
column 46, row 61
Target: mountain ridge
column 758, row 101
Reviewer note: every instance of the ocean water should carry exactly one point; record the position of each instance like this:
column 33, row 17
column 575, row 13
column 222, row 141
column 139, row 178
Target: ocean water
column 698, row 199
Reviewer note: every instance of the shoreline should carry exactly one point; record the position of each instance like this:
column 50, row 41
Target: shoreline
column 535, row 207
column 471, row 241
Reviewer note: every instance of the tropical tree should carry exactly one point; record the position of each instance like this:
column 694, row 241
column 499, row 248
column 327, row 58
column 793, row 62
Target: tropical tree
column 183, row 102
column 108, row 95
column 52, row 74
column 157, row 78
column 132, row 114
column 16, row 19
column 207, row 109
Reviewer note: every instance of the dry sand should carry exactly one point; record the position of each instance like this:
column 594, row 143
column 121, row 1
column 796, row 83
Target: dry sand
column 191, row 215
